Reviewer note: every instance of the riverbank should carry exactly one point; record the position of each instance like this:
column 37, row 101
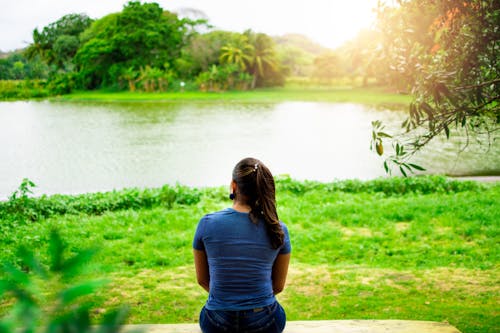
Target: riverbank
column 372, row 96
column 422, row 248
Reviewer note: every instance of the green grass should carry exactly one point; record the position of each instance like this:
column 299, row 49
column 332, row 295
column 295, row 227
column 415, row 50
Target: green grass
column 423, row 248
column 374, row 96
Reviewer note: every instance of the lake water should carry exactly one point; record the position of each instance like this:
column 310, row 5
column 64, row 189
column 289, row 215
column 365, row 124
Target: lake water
column 88, row 147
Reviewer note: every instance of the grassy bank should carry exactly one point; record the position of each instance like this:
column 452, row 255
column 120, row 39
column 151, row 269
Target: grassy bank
column 373, row 96
column 422, row 248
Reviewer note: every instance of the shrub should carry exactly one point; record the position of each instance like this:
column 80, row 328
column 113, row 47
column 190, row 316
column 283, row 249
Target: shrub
column 11, row 89
column 389, row 186
column 22, row 208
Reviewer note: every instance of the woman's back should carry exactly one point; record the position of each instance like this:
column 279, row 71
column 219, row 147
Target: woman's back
column 240, row 259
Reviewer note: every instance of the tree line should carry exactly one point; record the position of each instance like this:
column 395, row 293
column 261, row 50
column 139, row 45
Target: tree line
column 145, row 48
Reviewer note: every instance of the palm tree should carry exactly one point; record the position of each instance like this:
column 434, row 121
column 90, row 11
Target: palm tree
column 263, row 56
column 237, row 52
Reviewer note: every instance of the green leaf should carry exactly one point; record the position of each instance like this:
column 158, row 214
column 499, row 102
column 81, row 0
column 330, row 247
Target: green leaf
column 5, row 286
column 69, row 295
column 413, row 110
column 427, row 109
column 416, row 167
column 31, row 261
column 384, row 135
column 6, row 328
column 446, row 131
column 76, row 320
column 112, row 321
column 15, row 275
column 386, row 167
column 74, row 264
column 56, row 250
column 403, row 171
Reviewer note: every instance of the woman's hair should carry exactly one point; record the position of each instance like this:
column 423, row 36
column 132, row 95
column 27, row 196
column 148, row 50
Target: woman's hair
column 256, row 189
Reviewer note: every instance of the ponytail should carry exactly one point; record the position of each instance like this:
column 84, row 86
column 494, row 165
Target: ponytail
column 256, row 184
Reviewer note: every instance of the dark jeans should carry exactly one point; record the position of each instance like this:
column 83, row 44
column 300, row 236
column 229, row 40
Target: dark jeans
column 269, row 319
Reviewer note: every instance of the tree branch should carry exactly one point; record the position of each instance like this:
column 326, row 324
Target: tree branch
column 478, row 85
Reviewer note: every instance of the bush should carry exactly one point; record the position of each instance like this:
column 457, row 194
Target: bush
column 22, row 208
column 11, row 89
column 388, row 186
column 61, row 83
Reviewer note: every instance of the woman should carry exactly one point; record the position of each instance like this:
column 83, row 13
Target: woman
column 241, row 255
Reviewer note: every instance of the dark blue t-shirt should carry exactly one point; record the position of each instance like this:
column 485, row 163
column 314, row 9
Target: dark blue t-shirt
column 240, row 260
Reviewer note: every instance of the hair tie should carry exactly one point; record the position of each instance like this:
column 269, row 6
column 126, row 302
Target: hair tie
column 256, row 166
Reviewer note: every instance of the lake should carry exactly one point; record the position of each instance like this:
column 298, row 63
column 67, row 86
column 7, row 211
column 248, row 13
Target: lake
column 69, row 147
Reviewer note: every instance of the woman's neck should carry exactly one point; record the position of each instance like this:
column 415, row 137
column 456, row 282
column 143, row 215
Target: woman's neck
column 241, row 207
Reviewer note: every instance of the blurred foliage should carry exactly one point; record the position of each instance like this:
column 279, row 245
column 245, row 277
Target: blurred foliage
column 29, row 283
column 447, row 54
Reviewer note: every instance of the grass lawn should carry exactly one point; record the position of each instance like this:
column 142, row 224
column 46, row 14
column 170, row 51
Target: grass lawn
column 420, row 248
column 373, row 95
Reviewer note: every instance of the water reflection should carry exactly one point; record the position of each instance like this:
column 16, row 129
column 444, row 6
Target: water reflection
column 83, row 147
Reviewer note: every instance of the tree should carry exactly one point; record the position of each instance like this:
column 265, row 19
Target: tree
column 296, row 53
column 203, row 51
column 139, row 36
column 263, row 61
column 238, row 52
column 452, row 64
column 362, row 57
column 17, row 67
column 327, row 66
column 58, row 42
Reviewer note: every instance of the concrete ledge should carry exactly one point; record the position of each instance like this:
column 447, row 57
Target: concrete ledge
column 322, row 326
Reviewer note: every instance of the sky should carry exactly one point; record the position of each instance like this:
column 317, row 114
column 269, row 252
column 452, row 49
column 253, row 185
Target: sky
column 328, row 22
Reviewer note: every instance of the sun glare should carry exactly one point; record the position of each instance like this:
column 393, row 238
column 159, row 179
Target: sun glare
column 328, row 22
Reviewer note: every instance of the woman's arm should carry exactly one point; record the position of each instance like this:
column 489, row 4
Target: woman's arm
column 202, row 272
column 280, row 270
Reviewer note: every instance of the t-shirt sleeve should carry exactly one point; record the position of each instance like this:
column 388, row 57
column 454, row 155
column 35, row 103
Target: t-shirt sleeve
column 287, row 247
column 198, row 236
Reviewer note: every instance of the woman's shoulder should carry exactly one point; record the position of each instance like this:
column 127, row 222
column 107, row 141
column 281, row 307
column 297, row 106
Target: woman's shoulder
column 283, row 225
column 220, row 214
